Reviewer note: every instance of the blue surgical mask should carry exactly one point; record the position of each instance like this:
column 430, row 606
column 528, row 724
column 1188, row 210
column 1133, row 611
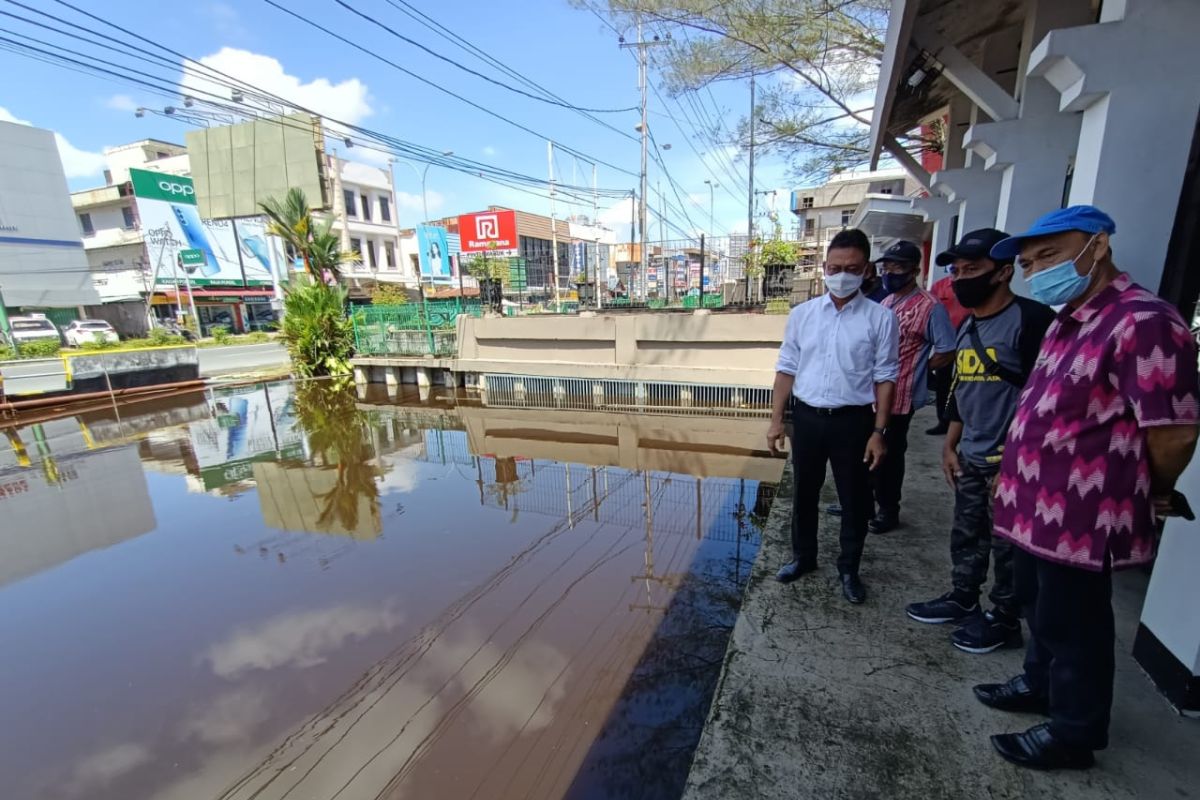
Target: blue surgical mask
column 1061, row 283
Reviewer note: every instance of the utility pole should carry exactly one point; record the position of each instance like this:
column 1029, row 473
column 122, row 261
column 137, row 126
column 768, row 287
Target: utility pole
column 553, row 224
column 750, row 193
column 596, row 252
column 644, row 128
column 662, row 238
column 5, row 327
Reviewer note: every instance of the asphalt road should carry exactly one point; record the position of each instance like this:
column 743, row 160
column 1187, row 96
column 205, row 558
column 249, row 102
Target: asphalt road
column 243, row 357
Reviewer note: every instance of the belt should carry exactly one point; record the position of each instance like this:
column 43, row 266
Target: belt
column 836, row 412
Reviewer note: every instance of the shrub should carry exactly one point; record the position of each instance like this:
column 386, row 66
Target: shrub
column 99, row 344
column 778, row 305
column 6, row 353
column 40, row 348
column 160, row 337
column 257, row 337
column 388, row 294
column 318, row 335
column 219, row 333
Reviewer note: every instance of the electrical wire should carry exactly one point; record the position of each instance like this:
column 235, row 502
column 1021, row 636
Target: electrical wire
column 439, row 88
column 469, row 71
column 416, row 152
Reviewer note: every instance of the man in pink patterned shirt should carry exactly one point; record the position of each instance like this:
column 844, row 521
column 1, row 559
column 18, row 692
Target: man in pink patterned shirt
column 1104, row 427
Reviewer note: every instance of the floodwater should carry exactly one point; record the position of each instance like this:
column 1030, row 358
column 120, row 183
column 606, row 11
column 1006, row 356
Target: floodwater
column 285, row 591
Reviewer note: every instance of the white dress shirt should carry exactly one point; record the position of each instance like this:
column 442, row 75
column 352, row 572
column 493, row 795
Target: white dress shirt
column 839, row 356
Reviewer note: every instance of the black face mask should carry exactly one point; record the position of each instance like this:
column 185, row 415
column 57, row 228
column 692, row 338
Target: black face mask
column 973, row 292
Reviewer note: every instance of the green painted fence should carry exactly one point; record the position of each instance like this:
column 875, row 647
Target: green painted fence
column 416, row 329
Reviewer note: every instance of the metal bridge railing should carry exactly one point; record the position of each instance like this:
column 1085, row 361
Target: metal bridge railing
column 411, row 330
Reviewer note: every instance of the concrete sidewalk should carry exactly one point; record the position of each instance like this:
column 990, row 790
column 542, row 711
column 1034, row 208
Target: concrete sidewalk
column 821, row 699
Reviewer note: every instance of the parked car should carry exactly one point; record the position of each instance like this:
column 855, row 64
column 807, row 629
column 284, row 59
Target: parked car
column 33, row 328
column 83, row 331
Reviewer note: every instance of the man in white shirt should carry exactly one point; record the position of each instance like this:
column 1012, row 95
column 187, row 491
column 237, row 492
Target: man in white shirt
column 837, row 368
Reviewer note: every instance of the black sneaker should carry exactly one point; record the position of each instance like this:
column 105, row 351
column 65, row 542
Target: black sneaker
column 993, row 631
column 950, row 607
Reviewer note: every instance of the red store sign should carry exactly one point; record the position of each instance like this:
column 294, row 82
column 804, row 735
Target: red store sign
column 487, row 230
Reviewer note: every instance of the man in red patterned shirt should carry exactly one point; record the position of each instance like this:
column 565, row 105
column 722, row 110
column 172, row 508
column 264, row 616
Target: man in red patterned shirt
column 1104, row 427
column 926, row 340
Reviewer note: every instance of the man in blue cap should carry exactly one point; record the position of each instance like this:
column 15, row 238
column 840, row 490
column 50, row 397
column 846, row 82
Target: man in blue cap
column 1106, row 423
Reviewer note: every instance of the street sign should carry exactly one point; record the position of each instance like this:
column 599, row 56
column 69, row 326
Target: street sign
column 191, row 258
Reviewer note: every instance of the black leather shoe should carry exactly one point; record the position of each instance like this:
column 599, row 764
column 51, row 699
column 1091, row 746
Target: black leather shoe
column 883, row 522
column 794, row 569
column 853, row 589
column 1012, row 695
column 1037, row 748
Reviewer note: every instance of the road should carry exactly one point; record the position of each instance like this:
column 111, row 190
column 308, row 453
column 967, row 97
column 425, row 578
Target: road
column 239, row 358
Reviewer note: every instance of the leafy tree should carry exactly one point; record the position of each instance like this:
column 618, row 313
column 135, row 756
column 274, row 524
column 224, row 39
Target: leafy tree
column 291, row 220
column 816, row 62
column 483, row 267
column 388, row 294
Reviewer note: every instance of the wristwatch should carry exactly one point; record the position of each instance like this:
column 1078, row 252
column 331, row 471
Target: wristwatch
column 881, row 431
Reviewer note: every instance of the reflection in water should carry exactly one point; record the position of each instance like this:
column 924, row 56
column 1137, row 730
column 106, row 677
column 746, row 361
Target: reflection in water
column 292, row 594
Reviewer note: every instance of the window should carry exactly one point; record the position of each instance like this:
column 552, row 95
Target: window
column 389, row 250
column 108, row 177
column 846, row 215
column 886, row 190
column 366, row 207
column 161, row 154
column 127, row 217
column 806, row 202
column 356, row 248
column 348, row 195
column 810, row 227
column 371, row 262
column 85, row 222
column 385, row 212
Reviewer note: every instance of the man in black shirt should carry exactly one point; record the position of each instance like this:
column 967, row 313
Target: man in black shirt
column 997, row 347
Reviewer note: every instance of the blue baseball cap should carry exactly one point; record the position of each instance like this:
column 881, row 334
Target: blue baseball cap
column 1087, row 219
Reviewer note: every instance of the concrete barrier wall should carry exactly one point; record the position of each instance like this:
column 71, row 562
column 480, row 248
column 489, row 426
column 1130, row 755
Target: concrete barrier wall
column 731, row 349
column 92, row 364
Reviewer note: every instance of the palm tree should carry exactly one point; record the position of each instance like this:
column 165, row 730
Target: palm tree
column 291, row 220
column 325, row 253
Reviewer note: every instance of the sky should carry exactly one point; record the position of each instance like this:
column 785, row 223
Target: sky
column 567, row 50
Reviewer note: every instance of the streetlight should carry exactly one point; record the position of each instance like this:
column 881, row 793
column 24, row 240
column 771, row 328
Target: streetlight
column 422, row 174
column 711, row 187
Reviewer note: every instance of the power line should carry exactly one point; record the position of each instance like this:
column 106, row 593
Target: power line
column 439, row 88
column 170, row 90
column 468, row 70
column 457, row 40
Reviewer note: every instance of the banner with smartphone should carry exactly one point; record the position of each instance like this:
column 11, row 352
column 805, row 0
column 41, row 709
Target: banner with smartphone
column 236, row 251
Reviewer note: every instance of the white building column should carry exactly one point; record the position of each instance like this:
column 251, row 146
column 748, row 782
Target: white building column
column 974, row 191
column 1136, row 78
column 941, row 212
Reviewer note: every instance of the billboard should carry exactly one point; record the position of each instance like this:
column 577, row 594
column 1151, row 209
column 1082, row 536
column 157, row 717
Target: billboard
column 235, row 252
column 434, row 249
column 489, row 232
column 248, row 424
column 239, row 166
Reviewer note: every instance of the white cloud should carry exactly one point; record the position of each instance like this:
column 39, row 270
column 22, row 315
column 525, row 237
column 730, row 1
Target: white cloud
column 298, row 640
column 121, row 102
column 102, row 768
column 230, row 718
column 76, row 163
column 620, row 213
column 348, row 101
column 227, row 21
column 489, row 151
column 411, row 203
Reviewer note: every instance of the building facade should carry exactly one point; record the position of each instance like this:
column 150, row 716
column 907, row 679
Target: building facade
column 42, row 261
column 365, row 217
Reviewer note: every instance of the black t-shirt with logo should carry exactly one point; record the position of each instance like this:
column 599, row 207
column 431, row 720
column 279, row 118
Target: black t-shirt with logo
column 983, row 403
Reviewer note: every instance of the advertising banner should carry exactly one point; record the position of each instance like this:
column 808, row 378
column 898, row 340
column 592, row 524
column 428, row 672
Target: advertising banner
column 489, row 231
column 231, row 252
column 435, row 253
column 248, row 424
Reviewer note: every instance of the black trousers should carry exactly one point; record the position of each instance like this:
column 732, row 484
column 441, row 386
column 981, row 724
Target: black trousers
column 889, row 476
column 1071, row 640
column 972, row 544
column 840, row 441
column 941, row 378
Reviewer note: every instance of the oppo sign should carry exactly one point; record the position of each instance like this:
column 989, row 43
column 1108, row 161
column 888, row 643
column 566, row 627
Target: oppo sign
column 176, row 188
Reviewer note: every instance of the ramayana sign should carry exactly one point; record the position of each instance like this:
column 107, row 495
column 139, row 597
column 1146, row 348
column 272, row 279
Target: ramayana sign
column 488, row 231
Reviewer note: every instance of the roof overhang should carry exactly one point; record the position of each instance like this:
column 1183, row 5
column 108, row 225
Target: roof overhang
column 961, row 26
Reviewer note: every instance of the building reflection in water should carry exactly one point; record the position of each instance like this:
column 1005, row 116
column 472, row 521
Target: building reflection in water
column 508, row 603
